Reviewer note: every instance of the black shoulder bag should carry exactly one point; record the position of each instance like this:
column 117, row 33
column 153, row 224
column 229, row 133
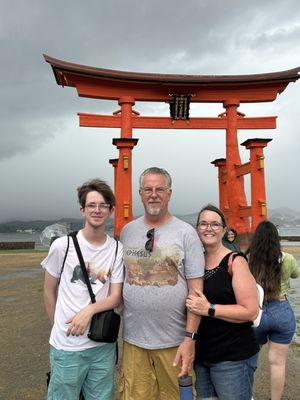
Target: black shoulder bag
column 105, row 324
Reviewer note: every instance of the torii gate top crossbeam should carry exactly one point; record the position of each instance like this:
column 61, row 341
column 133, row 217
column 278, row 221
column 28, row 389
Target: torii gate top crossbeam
column 111, row 84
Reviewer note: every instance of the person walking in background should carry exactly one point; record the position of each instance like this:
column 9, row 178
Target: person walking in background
column 163, row 264
column 230, row 240
column 278, row 230
column 273, row 269
column 226, row 347
column 78, row 363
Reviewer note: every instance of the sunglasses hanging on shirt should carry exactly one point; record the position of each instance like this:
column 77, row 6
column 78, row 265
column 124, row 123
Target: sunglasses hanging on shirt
column 150, row 242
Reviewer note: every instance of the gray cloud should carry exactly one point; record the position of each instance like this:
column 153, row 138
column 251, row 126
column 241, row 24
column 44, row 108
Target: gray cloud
column 41, row 145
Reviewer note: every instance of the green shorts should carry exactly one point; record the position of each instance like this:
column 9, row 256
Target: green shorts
column 91, row 370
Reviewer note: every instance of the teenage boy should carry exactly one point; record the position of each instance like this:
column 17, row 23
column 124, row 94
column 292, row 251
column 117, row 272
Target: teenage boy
column 78, row 363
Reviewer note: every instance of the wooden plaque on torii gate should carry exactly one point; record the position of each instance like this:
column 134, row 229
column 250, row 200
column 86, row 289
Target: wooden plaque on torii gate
column 179, row 91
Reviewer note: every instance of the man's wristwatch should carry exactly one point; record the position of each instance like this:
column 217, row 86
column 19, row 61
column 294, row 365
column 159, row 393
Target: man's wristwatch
column 211, row 310
column 192, row 335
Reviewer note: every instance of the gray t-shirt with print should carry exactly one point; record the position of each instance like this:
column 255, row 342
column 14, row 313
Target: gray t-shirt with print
column 155, row 287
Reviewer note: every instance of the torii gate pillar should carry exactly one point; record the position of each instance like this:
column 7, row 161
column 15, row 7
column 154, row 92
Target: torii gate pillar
column 114, row 163
column 257, row 172
column 123, row 183
column 235, row 185
column 257, row 210
column 220, row 163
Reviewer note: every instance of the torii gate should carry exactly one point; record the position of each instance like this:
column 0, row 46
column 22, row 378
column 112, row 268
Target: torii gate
column 179, row 91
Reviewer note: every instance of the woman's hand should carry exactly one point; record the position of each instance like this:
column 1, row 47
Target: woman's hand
column 198, row 304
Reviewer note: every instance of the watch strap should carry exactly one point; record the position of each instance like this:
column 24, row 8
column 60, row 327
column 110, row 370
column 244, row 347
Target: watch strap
column 192, row 335
column 211, row 310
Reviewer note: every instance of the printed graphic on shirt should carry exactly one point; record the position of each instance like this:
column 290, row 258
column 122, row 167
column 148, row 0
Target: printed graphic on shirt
column 95, row 273
column 159, row 268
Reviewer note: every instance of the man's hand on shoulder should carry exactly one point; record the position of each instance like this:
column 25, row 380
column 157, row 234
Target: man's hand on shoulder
column 185, row 356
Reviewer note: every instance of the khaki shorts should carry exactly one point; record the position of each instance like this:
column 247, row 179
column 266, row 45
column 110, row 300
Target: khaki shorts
column 147, row 373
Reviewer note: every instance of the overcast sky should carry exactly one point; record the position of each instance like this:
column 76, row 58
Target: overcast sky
column 44, row 155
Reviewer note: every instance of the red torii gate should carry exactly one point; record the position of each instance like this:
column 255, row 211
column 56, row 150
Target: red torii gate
column 179, row 91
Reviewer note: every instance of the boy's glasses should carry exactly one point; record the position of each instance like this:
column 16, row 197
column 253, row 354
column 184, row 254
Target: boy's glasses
column 93, row 207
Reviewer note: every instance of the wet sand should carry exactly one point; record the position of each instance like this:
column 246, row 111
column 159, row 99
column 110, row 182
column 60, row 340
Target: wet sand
column 25, row 331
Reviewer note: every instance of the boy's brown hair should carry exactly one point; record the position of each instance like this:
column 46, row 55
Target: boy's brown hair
column 96, row 185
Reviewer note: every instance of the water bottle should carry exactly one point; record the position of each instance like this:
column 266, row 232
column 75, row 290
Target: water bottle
column 185, row 387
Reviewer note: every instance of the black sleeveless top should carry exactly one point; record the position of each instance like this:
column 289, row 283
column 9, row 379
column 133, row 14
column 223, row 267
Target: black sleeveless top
column 220, row 340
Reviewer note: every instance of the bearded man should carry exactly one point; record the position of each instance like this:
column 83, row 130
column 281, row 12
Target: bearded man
column 163, row 264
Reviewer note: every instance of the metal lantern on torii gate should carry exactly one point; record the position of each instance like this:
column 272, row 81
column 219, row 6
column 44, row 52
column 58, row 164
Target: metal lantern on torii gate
column 179, row 91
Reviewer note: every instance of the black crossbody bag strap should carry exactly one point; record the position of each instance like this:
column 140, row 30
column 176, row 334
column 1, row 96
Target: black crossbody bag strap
column 82, row 264
column 83, row 268
column 64, row 261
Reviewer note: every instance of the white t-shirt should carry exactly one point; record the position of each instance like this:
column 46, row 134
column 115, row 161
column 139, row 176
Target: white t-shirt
column 73, row 293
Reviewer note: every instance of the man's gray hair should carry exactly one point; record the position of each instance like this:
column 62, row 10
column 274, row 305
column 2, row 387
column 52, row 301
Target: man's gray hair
column 158, row 171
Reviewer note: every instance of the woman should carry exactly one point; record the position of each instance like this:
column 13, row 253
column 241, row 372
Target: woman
column 226, row 348
column 273, row 269
column 230, row 240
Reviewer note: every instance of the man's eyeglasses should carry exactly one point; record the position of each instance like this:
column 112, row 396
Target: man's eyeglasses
column 150, row 242
column 93, row 206
column 160, row 190
column 215, row 226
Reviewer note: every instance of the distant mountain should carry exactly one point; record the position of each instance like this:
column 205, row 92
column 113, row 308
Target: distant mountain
column 190, row 218
column 284, row 211
column 282, row 216
column 39, row 225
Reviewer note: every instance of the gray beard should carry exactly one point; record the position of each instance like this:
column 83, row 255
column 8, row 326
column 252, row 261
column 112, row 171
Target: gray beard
column 153, row 211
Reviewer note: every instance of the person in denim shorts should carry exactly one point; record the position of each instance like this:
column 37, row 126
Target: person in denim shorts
column 226, row 346
column 273, row 269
